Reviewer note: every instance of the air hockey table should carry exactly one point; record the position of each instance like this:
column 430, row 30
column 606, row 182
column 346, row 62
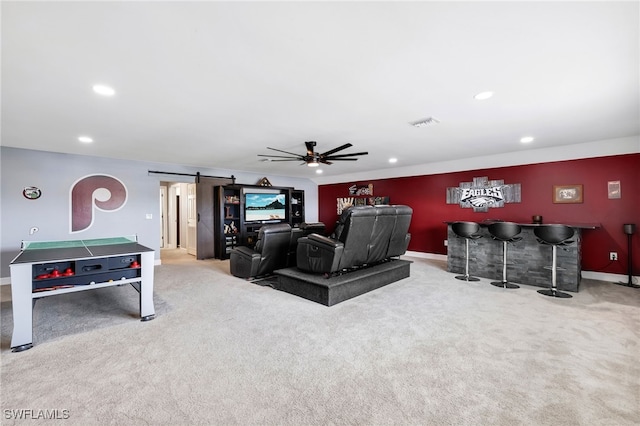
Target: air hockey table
column 50, row 268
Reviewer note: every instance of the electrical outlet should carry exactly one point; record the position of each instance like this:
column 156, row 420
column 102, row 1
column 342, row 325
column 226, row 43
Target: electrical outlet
column 613, row 255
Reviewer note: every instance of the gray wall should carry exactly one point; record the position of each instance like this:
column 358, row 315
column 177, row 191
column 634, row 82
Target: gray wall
column 55, row 174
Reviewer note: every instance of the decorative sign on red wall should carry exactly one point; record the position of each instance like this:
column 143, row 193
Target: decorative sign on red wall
column 483, row 193
column 361, row 189
column 344, row 203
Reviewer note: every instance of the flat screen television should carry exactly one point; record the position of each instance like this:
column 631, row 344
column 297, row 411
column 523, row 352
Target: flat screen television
column 265, row 207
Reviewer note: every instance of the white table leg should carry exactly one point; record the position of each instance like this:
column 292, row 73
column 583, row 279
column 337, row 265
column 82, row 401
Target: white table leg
column 147, row 310
column 22, row 307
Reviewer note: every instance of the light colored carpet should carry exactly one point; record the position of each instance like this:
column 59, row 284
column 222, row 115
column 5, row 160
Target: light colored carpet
column 427, row 350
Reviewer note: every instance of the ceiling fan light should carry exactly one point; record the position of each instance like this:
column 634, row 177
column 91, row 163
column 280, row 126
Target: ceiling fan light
column 313, row 164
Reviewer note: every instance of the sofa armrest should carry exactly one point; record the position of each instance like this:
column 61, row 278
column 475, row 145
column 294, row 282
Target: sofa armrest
column 245, row 251
column 324, row 241
column 319, row 254
column 244, row 262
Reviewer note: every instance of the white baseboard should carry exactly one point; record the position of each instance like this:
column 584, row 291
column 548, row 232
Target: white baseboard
column 605, row 276
column 426, row 255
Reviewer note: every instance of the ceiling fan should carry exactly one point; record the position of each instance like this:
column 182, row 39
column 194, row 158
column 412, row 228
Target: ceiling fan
column 312, row 158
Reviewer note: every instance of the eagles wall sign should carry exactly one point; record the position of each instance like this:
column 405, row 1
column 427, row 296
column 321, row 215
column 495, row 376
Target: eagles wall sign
column 483, row 193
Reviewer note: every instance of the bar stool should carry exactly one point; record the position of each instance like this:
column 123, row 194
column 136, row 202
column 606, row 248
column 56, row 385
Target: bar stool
column 507, row 232
column 554, row 235
column 468, row 231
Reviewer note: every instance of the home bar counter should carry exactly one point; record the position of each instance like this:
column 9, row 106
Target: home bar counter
column 526, row 259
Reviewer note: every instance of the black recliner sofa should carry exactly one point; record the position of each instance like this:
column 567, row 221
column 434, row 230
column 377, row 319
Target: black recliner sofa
column 364, row 235
column 275, row 248
column 362, row 255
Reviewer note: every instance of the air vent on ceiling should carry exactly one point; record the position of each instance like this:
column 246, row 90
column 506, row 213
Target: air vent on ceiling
column 430, row 121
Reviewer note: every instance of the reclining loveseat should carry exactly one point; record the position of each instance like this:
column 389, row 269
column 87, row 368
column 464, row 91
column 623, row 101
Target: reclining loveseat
column 364, row 236
column 275, row 248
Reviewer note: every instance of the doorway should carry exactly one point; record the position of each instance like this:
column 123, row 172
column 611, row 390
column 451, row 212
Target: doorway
column 178, row 217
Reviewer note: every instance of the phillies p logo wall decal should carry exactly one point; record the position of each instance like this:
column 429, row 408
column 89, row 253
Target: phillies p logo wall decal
column 101, row 192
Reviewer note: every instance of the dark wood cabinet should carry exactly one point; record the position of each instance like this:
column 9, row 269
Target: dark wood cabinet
column 296, row 207
column 232, row 228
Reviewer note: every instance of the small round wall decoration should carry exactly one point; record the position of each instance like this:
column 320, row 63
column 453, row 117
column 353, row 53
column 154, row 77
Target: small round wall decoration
column 31, row 193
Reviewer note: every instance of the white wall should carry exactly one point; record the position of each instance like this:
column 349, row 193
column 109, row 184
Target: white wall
column 55, row 174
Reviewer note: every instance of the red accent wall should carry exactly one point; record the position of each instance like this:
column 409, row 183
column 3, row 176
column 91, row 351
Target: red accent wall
column 427, row 196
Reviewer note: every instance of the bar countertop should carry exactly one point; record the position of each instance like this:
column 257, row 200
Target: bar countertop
column 488, row 222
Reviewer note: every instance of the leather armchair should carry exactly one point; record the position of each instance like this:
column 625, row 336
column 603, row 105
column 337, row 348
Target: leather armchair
column 269, row 253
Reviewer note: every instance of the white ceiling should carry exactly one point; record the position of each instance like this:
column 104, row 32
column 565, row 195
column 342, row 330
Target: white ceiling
column 212, row 84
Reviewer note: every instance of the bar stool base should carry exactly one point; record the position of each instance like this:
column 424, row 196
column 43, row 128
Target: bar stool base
column 504, row 284
column 555, row 293
column 467, row 278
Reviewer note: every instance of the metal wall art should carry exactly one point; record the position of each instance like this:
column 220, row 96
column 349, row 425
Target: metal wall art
column 483, row 193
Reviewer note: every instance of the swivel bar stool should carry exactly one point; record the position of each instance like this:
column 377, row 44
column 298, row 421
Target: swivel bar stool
column 468, row 231
column 507, row 232
column 554, row 235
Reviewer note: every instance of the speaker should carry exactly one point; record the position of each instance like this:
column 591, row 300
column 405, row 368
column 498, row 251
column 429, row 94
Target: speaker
column 629, row 228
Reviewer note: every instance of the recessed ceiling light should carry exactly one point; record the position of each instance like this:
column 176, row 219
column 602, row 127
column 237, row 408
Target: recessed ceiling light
column 103, row 90
column 319, row 171
column 85, row 139
column 483, row 95
column 526, row 139
column 393, row 160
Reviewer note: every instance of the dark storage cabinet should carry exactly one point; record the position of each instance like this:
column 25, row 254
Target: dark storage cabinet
column 230, row 227
column 228, row 220
column 297, row 207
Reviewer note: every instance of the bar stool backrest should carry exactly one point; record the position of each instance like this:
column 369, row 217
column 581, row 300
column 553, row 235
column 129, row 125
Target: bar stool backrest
column 504, row 231
column 553, row 234
column 466, row 229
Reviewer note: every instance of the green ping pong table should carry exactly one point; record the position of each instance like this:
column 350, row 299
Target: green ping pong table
column 49, row 268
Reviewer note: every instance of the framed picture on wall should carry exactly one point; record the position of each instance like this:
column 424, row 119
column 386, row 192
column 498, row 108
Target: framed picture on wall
column 567, row 194
column 613, row 189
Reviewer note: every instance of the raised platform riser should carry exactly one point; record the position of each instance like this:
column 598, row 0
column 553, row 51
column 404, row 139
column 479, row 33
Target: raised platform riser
column 330, row 291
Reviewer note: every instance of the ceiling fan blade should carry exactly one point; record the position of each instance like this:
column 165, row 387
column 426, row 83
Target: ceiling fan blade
column 340, row 148
column 335, row 157
column 297, row 157
column 312, row 156
column 286, row 152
